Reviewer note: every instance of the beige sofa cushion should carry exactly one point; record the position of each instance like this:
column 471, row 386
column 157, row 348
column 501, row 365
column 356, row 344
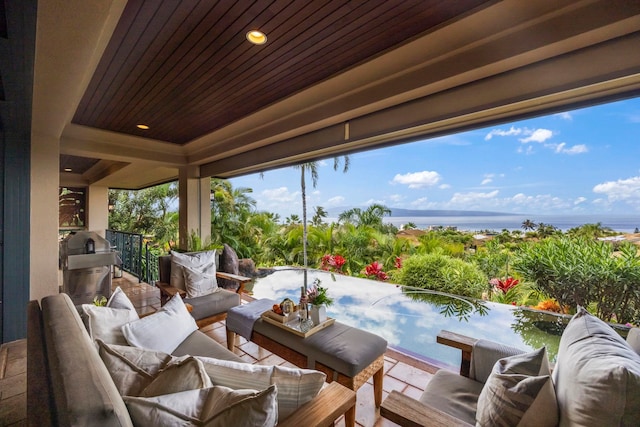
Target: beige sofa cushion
column 454, row 394
column 183, row 374
column 597, row 375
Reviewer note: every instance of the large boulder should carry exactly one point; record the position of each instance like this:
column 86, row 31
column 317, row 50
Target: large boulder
column 228, row 264
column 247, row 267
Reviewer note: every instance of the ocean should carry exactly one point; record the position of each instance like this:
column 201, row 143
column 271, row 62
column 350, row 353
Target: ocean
column 620, row 223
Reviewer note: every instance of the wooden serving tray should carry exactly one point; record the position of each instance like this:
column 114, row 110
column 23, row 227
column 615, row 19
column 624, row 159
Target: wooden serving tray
column 294, row 326
column 279, row 317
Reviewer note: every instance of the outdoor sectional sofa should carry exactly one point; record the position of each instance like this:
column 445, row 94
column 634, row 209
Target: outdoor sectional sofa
column 68, row 383
column 595, row 383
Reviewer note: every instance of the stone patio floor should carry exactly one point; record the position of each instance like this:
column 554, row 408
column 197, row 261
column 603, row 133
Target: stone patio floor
column 401, row 372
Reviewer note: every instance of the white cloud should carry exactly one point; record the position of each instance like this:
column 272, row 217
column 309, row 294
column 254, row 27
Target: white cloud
column 565, row 116
column 280, row 195
column 563, row 149
column 527, row 151
column 499, row 132
column 423, row 203
column 620, row 190
column 538, row 135
column 374, row 202
column 579, row 200
column 488, row 178
column 335, row 201
column 396, row 198
column 444, row 186
column 472, row 197
column 538, row 202
column 417, row 179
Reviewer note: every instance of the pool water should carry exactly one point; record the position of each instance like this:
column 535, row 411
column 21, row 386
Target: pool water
column 409, row 318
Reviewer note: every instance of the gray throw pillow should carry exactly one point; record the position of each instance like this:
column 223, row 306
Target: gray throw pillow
column 519, row 392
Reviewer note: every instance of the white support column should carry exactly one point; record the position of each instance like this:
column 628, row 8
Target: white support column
column 194, row 206
column 43, row 247
column 98, row 209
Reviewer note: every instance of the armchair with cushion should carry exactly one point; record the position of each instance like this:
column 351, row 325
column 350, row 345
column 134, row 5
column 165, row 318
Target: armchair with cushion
column 595, row 382
column 194, row 276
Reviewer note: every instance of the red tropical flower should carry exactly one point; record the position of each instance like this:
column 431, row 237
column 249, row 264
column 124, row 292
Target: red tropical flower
column 332, row 263
column 398, row 262
column 375, row 270
column 505, row 285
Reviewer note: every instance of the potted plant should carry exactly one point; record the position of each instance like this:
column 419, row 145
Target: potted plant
column 319, row 300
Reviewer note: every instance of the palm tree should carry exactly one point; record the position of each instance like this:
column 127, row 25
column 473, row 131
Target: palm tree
column 528, row 225
column 292, row 219
column 372, row 216
column 320, row 213
column 312, row 167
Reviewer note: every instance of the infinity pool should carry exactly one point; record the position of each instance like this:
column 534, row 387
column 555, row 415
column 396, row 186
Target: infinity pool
column 409, row 319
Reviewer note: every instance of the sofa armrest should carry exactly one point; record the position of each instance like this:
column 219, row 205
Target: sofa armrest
column 40, row 405
column 241, row 280
column 406, row 411
column 478, row 355
column 167, row 292
column 332, row 401
column 464, row 343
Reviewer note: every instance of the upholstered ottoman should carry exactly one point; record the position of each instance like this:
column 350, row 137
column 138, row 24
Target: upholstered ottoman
column 345, row 354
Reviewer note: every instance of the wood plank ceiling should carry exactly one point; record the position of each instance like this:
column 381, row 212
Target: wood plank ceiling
column 185, row 69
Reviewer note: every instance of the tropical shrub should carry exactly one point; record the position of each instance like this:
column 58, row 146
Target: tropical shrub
column 585, row 272
column 493, row 259
column 442, row 273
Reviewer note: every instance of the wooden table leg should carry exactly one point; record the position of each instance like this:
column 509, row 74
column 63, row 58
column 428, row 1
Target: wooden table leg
column 350, row 417
column 377, row 386
column 231, row 339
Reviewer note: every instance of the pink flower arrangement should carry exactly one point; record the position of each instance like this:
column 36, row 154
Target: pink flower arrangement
column 374, row 271
column 332, row 263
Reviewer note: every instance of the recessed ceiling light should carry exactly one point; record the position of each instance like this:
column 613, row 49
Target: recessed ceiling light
column 68, row 169
column 256, row 37
column 142, row 126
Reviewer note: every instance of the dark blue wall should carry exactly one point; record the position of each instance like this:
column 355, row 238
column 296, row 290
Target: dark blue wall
column 17, row 49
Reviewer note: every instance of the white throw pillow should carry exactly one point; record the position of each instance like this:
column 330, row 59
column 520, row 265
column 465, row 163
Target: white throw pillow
column 211, row 407
column 597, row 375
column 119, row 299
column 295, row 386
column 132, row 369
column 163, row 330
column 204, row 261
column 199, row 282
column 519, row 392
column 105, row 323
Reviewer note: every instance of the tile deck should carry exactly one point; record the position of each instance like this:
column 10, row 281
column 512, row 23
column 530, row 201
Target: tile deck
column 402, row 373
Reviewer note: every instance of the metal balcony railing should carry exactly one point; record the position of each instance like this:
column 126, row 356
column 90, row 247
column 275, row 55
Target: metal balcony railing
column 137, row 258
column 129, row 245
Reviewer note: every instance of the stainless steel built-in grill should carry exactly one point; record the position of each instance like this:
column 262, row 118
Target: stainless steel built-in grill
column 86, row 268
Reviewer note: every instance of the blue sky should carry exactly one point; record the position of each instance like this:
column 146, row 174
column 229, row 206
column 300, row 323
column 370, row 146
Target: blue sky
column 584, row 161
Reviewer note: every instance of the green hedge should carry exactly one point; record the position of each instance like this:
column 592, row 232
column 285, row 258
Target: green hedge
column 442, row 273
